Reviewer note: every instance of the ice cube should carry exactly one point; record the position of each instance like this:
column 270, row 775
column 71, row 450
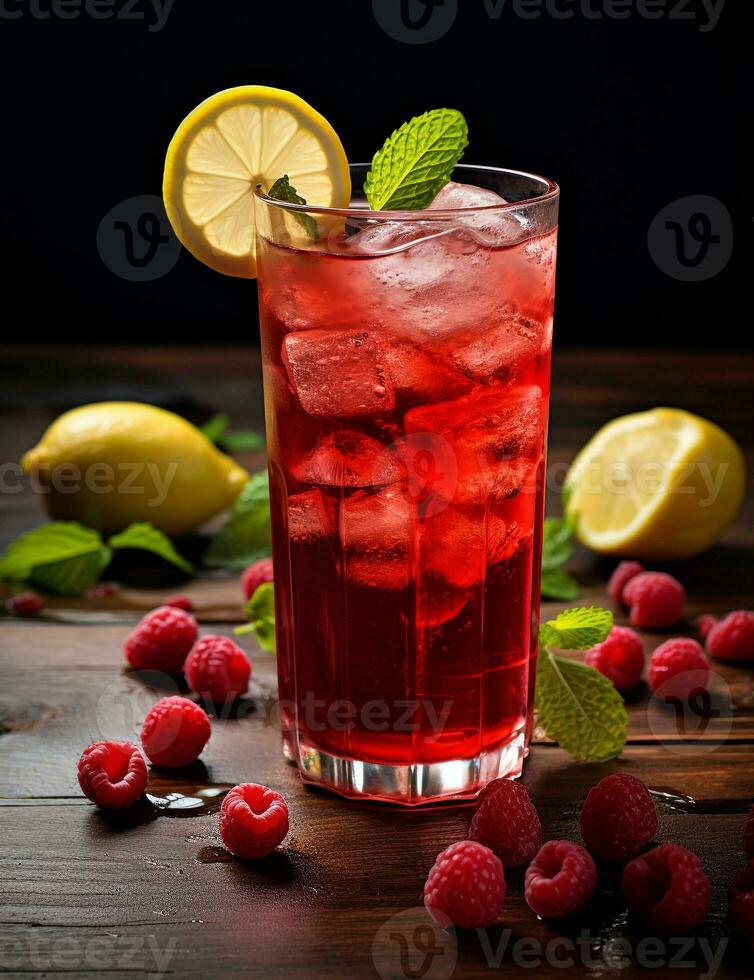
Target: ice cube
column 455, row 195
column 376, row 531
column 348, row 459
column 338, row 374
column 490, row 431
column 419, row 376
column 382, row 237
column 501, row 350
column 453, row 545
column 311, row 517
column 489, row 227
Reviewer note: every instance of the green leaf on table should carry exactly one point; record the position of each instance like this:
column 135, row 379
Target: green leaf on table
column 62, row 556
column 416, row 161
column 576, row 629
column 579, row 709
column 231, row 441
column 245, row 536
column 283, row 190
column 557, row 548
column 145, row 537
column 260, row 611
column 557, row 584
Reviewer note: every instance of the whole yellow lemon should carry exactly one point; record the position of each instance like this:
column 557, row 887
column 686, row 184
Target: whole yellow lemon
column 111, row 464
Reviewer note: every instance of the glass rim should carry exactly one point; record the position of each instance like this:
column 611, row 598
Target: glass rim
column 551, row 192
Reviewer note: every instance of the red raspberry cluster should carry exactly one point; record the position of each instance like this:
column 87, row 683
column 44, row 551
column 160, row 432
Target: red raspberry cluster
column 666, row 886
column 654, row 599
column 678, row 668
column 253, row 818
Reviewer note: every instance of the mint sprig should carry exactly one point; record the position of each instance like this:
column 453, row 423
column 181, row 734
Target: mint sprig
column 218, row 431
column 577, row 706
column 245, row 536
column 145, row 537
column 577, row 629
column 65, row 557
column 416, row 161
column 260, row 611
column 557, row 548
column 283, row 190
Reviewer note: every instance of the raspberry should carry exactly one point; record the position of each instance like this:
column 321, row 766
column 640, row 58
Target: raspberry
column 179, row 602
column 112, row 774
column 25, row 604
column 253, row 820
column 174, row 732
column 741, row 903
column 102, row 590
column 618, row 817
column 624, row 572
column 560, row 880
column 749, row 835
column 678, row 669
column 257, row 573
column 655, row 600
column 466, row 886
column 162, row 640
column 620, row 657
column 217, row 669
column 705, row 624
column 733, row 638
column 668, row 888
column 507, row 822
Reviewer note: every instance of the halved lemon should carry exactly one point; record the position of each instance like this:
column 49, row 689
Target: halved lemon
column 659, row 485
column 229, row 144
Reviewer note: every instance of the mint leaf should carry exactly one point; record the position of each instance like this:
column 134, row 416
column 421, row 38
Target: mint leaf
column 246, row 535
column 241, row 441
column 282, row 190
column 557, row 548
column 216, row 427
column 559, row 585
column 144, row 537
column 580, row 709
column 237, row 441
column 576, row 629
column 260, row 611
column 556, row 543
column 62, row 557
column 416, row 161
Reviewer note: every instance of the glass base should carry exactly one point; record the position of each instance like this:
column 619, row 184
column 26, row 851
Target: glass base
column 412, row 785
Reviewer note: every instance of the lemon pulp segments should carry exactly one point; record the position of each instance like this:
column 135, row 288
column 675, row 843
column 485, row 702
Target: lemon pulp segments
column 229, row 144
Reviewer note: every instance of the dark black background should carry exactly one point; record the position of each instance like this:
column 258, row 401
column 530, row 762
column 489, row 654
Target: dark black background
column 627, row 115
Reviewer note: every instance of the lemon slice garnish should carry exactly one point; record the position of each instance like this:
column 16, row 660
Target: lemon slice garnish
column 229, row 144
column 659, row 485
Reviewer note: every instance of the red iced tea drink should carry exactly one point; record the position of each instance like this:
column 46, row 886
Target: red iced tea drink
column 406, row 371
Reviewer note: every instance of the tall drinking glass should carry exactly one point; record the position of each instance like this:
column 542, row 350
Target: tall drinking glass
column 406, row 373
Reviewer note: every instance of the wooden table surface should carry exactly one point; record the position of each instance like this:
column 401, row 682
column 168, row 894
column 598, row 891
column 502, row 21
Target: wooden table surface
column 88, row 893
